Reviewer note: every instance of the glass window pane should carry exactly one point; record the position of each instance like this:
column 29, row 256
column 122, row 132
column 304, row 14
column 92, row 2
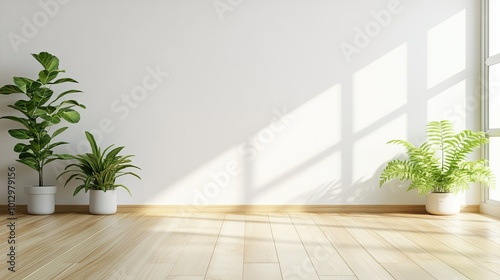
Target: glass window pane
column 494, row 27
column 494, row 158
column 494, row 96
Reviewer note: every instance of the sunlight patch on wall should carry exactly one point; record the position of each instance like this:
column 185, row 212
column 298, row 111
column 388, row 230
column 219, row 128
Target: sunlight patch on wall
column 314, row 127
column 371, row 153
column 215, row 182
column 317, row 182
column 293, row 146
column 450, row 105
column 446, row 49
column 380, row 88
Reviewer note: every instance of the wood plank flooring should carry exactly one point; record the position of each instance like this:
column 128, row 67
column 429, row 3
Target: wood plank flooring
column 191, row 246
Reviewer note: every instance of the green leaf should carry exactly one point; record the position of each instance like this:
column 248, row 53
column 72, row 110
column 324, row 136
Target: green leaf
column 72, row 103
column 53, row 145
column 27, row 155
column 42, row 95
column 50, row 160
column 20, row 105
column 59, row 131
column 50, row 109
column 93, row 143
column 20, row 133
column 31, row 162
column 44, row 141
column 48, row 61
column 79, row 188
column 34, row 86
column 71, row 116
column 64, row 80
column 46, row 76
column 17, row 119
column 40, row 127
column 65, row 156
column 35, row 148
column 42, row 113
column 65, row 93
column 20, row 148
column 10, row 89
column 122, row 186
column 113, row 154
column 30, row 106
column 55, row 120
column 23, row 83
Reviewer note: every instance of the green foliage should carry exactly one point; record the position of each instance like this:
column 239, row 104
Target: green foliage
column 98, row 170
column 40, row 109
column 440, row 164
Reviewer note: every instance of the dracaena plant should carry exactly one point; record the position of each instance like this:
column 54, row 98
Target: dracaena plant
column 41, row 109
column 99, row 170
column 440, row 164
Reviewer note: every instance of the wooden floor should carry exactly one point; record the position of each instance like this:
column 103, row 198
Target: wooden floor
column 253, row 246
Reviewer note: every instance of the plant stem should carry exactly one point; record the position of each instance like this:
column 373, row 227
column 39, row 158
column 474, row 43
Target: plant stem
column 40, row 176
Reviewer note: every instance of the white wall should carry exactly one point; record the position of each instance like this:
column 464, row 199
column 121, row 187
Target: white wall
column 253, row 102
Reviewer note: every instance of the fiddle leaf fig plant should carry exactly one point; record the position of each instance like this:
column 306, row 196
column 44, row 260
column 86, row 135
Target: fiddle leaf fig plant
column 40, row 110
column 99, row 169
column 440, row 164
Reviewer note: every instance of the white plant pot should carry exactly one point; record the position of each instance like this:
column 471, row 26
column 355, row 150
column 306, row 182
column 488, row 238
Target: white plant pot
column 41, row 200
column 102, row 202
column 442, row 204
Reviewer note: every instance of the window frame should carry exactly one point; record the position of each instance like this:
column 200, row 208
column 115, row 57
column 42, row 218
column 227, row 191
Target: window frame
column 488, row 205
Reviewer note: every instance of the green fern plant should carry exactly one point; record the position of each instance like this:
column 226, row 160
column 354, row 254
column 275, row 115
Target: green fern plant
column 98, row 170
column 440, row 164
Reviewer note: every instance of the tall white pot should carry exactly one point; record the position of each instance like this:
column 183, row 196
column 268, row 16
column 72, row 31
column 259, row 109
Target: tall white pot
column 41, row 199
column 442, row 204
column 102, row 202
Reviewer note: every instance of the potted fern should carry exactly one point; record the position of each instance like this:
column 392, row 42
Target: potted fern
column 439, row 167
column 40, row 112
column 98, row 172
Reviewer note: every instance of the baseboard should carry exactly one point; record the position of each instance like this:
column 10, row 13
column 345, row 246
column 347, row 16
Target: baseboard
column 276, row 208
column 490, row 209
column 22, row 209
column 469, row 209
column 411, row 209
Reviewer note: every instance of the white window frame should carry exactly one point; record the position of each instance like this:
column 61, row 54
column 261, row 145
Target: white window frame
column 491, row 207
